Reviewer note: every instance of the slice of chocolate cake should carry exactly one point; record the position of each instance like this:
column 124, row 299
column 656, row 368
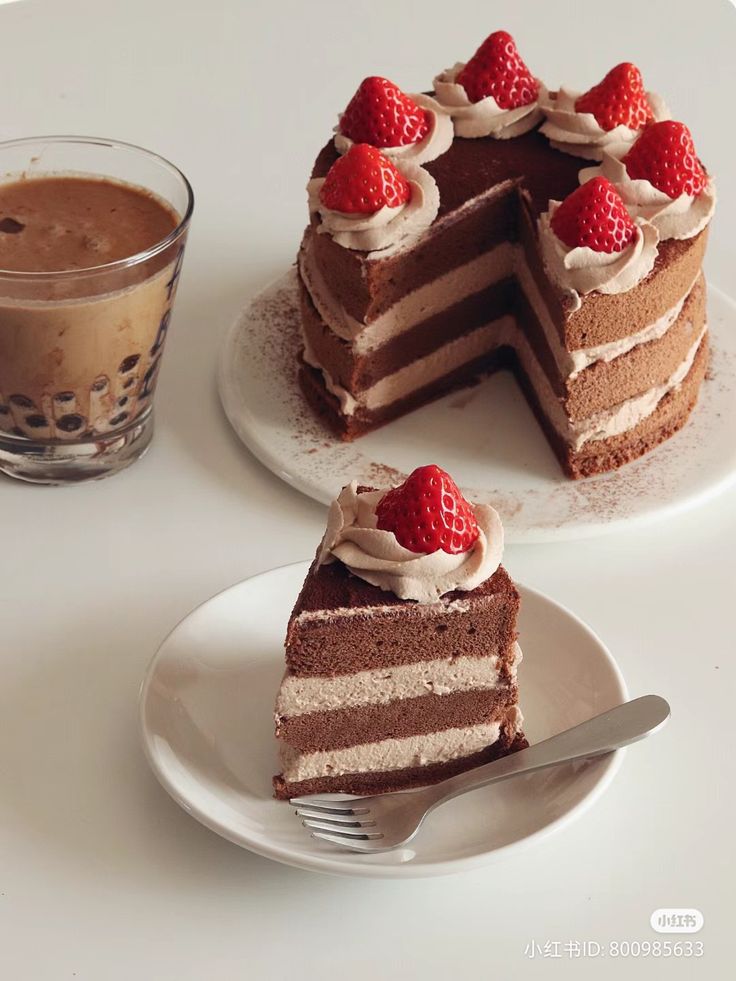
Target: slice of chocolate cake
column 401, row 650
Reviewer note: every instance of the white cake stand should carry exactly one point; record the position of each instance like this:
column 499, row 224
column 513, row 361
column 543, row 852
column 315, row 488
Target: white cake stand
column 485, row 436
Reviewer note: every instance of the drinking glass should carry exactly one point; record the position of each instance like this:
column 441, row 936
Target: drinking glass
column 81, row 349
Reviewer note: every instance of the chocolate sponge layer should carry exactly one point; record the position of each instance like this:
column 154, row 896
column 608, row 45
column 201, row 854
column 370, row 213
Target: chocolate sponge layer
column 644, row 367
column 357, row 372
column 339, row 728
column 381, row 630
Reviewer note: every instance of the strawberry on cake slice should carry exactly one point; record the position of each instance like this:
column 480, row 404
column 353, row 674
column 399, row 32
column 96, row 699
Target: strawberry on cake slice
column 401, row 653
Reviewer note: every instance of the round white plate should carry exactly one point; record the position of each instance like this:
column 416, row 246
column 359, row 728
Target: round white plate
column 206, row 710
column 485, row 436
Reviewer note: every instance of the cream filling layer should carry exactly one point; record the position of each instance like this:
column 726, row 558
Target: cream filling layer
column 501, row 262
column 500, row 333
column 422, row 610
column 397, row 753
column 424, row 370
column 428, row 300
column 379, row 686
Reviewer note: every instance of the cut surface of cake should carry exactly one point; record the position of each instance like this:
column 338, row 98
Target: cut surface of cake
column 401, row 651
column 456, row 265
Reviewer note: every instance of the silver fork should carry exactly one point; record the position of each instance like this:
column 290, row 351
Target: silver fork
column 386, row 821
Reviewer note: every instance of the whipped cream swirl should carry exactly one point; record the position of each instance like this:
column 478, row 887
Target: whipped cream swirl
column 486, row 117
column 579, row 133
column 583, row 270
column 388, row 228
column 681, row 217
column 378, row 558
column 437, row 141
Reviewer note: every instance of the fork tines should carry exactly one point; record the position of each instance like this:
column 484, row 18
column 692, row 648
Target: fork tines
column 325, row 806
column 343, row 820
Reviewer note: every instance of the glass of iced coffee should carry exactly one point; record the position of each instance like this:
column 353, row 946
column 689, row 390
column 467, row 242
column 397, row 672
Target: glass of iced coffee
column 92, row 236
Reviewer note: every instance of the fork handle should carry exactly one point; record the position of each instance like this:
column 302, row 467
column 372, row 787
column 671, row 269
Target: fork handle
column 602, row 734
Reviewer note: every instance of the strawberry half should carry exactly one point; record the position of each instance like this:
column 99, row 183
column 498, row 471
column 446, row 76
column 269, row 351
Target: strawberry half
column 496, row 69
column 665, row 156
column 381, row 114
column 428, row 513
column 619, row 100
column 364, row 181
column 594, row 216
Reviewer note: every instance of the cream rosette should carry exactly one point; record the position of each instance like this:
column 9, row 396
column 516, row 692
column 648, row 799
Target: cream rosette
column 681, row 217
column 580, row 133
column 437, row 141
column 386, row 229
column 582, row 270
column 377, row 557
column 486, row 117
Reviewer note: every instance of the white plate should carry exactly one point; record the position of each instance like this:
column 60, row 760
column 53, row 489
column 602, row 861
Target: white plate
column 485, row 436
column 206, row 710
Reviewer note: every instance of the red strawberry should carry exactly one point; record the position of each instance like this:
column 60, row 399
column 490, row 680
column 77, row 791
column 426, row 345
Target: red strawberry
column 496, row 69
column 381, row 114
column 362, row 182
column 594, row 216
column 619, row 100
column 665, row 156
column 427, row 513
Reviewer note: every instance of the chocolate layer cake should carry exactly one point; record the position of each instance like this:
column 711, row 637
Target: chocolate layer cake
column 609, row 375
column 381, row 692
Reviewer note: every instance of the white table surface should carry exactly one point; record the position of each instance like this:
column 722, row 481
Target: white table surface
column 101, row 875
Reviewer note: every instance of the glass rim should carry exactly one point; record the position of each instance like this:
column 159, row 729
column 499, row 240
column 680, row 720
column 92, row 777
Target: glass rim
column 26, row 275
